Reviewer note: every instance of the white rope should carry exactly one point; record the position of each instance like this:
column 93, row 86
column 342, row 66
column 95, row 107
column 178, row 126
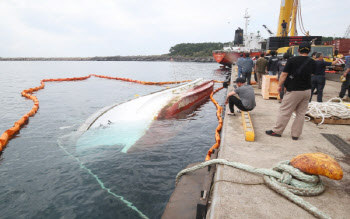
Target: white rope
column 328, row 109
column 283, row 178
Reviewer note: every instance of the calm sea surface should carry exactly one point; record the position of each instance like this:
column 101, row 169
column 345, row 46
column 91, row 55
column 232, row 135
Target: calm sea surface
column 43, row 176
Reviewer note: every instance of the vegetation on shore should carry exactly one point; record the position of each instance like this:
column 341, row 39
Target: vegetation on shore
column 183, row 52
column 195, row 49
column 205, row 49
column 150, row 58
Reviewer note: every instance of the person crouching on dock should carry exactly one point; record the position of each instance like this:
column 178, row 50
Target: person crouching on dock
column 246, row 95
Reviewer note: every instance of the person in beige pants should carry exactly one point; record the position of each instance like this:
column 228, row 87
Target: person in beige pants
column 296, row 77
column 297, row 101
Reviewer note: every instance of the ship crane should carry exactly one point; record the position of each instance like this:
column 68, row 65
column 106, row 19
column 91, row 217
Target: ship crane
column 268, row 30
column 246, row 17
column 290, row 13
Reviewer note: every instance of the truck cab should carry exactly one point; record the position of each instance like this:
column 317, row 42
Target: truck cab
column 326, row 50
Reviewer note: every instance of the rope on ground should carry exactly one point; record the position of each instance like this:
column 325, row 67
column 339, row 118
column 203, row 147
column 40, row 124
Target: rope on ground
column 283, row 179
column 328, row 109
column 218, row 128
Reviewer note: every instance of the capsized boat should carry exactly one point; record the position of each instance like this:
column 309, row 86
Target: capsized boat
column 123, row 124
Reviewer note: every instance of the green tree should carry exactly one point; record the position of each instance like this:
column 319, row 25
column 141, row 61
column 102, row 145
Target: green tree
column 195, row 49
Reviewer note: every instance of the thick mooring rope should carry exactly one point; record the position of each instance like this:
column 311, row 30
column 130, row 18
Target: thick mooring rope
column 328, row 109
column 283, row 178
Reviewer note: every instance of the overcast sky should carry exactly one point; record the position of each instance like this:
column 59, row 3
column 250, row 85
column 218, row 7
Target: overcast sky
column 85, row 28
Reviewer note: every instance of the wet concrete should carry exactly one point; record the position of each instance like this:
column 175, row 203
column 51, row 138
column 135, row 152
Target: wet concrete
column 238, row 194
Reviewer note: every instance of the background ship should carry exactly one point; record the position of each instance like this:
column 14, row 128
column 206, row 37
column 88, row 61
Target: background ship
column 251, row 43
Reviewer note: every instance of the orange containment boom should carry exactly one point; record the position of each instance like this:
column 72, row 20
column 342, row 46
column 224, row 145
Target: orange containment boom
column 218, row 128
column 7, row 135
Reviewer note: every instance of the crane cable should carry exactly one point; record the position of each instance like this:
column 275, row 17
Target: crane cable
column 300, row 19
column 290, row 26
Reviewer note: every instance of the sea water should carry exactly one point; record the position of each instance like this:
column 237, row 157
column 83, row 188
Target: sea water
column 43, row 175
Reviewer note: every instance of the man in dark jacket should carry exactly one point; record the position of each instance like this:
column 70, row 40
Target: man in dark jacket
column 281, row 65
column 272, row 65
column 284, row 28
column 346, row 84
column 318, row 80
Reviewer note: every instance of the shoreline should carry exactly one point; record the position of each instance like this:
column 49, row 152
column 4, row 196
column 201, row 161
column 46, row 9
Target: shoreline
column 116, row 58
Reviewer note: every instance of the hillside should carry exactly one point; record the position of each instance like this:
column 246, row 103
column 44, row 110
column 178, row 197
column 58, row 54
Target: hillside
column 195, row 49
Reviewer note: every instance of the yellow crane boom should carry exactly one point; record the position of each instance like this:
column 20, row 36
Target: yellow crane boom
column 288, row 13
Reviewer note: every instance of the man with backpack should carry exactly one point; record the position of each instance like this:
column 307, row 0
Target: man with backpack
column 281, row 64
column 272, row 65
column 296, row 78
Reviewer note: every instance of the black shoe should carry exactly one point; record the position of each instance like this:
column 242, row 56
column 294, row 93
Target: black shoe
column 270, row 132
column 295, row 138
column 231, row 114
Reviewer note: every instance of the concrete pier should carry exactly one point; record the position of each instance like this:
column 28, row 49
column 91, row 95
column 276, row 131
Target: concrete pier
column 238, row 194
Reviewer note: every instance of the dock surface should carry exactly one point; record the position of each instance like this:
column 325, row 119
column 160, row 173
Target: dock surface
column 238, row 194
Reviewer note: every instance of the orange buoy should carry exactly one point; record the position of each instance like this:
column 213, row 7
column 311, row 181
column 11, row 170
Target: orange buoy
column 318, row 164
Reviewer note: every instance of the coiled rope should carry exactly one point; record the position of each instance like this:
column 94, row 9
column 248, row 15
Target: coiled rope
column 283, row 179
column 328, row 109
